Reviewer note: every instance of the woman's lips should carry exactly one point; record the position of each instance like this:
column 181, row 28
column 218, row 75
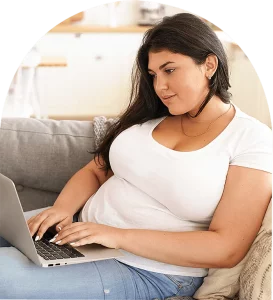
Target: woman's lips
column 168, row 99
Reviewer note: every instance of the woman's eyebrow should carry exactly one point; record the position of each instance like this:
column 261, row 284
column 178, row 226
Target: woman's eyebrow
column 164, row 65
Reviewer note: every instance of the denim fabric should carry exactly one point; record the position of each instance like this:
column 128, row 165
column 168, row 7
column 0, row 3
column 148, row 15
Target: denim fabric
column 104, row 279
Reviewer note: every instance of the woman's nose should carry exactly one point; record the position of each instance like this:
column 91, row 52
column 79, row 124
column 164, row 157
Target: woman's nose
column 160, row 84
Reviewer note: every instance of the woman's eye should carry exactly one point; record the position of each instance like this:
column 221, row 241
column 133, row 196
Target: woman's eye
column 168, row 71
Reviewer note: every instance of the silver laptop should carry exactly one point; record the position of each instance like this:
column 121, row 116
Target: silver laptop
column 14, row 228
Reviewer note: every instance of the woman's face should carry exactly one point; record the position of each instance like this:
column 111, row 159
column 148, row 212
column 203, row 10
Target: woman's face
column 178, row 76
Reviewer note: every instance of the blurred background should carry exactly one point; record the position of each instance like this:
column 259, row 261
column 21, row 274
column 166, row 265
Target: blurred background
column 82, row 67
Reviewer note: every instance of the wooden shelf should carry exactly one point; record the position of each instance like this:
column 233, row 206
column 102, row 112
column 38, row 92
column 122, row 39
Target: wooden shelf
column 78, row 117
column 53, row 61
column 50, row 61
column 98, row 29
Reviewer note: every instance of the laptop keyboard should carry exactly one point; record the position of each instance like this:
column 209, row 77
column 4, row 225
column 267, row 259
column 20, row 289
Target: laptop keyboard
column 51, row 251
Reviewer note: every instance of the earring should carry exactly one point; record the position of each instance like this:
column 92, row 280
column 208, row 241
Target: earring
column 209, row 76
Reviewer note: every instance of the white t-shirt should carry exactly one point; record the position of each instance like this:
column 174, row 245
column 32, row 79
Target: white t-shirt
column 157, row 188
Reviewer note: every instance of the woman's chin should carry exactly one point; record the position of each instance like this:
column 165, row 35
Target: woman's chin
column 174, row 112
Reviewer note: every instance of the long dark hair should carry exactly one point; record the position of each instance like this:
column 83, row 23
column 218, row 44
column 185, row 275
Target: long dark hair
column 182, row 33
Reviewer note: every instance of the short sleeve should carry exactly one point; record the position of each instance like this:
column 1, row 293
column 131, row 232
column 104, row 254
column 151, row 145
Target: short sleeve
column 254, row 149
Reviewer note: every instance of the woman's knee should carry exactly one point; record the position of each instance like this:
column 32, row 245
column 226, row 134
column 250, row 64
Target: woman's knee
column 13, row 264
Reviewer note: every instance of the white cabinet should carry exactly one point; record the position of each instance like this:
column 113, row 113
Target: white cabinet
column 97, row 78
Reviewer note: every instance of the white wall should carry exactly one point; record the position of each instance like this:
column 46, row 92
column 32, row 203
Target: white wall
column 76, row 90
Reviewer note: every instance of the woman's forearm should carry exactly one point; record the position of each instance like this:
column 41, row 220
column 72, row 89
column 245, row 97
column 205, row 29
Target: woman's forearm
column 77, row 191
column 197, row 249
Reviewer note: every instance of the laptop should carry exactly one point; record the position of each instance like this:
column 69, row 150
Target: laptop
column 14, row 229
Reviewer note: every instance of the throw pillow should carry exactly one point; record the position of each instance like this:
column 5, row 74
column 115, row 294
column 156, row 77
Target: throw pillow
column 255, row 279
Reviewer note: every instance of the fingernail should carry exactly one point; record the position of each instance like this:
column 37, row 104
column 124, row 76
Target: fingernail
column 59, row 228
column 55, row 235
column 72, row 243
column 52, row 240
column 58, row 242
column 37, row 238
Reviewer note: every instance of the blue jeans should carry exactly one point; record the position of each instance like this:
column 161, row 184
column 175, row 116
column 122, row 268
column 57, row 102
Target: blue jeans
column 109, row 279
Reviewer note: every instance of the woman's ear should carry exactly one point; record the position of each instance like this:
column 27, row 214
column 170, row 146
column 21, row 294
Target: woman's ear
column 211, row 65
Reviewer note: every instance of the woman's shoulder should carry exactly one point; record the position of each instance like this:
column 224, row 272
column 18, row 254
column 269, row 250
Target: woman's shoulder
column 252, row 143
column 246, row 123
column 249, row 134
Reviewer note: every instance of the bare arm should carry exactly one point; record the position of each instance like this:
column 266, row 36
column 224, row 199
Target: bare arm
column 81, row 187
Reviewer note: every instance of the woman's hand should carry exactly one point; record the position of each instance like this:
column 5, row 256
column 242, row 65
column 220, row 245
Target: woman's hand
column 82, row 233
column 48, row 218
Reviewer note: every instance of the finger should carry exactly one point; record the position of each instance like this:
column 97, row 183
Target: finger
column 69, row 230
column 84, row 241
column 67, row 221
column 73, row 225
column 36, row 222
column 71, row 236
column 41, row 224
column 29, row 220
column 64, row 232
column 48, row 222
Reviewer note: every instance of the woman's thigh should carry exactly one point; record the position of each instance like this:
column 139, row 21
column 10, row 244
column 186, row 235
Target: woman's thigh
column 105, row 279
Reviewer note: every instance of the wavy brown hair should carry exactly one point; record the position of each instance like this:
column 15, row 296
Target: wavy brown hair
column 182, row 33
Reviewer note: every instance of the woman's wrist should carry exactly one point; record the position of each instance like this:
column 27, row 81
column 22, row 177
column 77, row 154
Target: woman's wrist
column 122, row 237
column 65, row 209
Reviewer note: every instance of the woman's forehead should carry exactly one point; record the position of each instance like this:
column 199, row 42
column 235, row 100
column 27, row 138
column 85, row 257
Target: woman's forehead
column 163, row 53
column 156, row 59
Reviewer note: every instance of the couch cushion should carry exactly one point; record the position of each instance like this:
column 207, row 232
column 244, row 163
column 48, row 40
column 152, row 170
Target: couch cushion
column 44, row 154
column 34, row 199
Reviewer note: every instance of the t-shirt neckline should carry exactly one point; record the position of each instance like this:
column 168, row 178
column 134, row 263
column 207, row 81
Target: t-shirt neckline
column 175, row 152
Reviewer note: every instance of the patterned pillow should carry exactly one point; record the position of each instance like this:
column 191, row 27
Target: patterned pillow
column 255, row 279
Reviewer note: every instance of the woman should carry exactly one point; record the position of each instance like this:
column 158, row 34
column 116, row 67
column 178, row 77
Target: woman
column 180, row 183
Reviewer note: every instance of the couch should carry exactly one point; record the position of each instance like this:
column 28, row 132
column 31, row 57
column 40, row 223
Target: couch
column 40, row 156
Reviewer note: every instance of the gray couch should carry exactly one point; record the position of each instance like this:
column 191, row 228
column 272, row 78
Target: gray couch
column 40, row 156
